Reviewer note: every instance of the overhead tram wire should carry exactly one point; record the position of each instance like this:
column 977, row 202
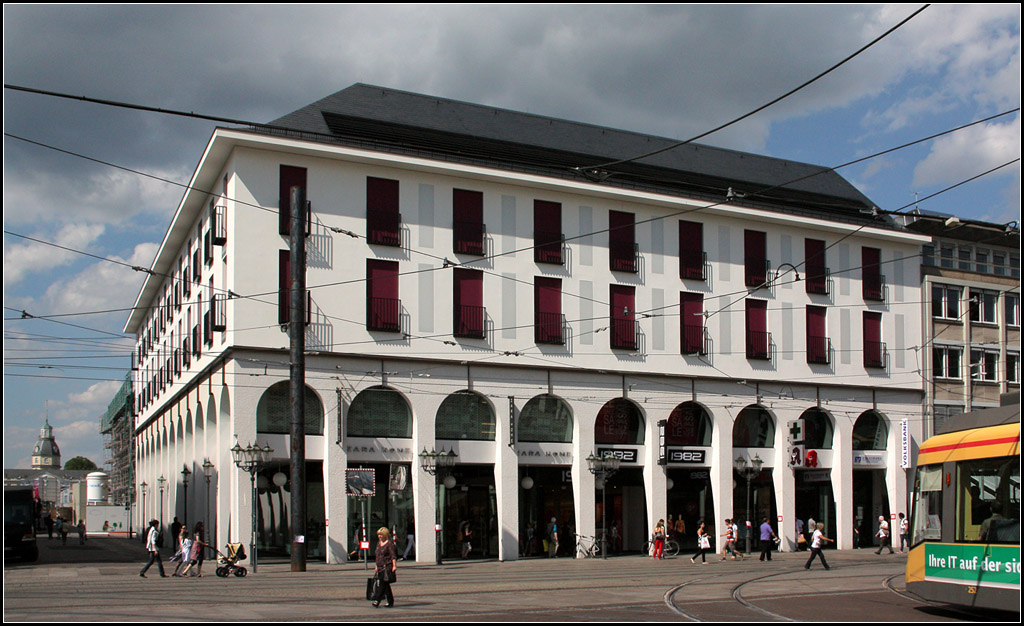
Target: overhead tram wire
column 595, row 172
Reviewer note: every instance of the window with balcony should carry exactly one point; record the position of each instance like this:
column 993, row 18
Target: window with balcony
column 548, row 324
column 383, row 308
column 469, row 314
column 946, row 362
column 983, row 306
column 468, row 222
column 945, row 302
column 872, row 280
column 874, row 348
column 758, row 337
column 755, row 259
column 219, row 223
column 290, row 176
column 816, row 271
column 622, row 247
column 691, row 313
column 547, row 232
column 383, row 220
column 623, row 317
column 692, row 257
column 818, row 343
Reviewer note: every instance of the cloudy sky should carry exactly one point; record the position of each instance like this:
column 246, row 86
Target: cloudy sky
column 671, row 70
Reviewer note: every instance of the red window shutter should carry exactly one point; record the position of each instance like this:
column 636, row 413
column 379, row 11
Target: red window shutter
column 547, row 293
column 468, row 221
column 283, row 286
column 290, row 177
column 547, row 231
column 469, row 298
column 817, row 340
column 757, row 329
column 691, row 250
column 874, row 349
column 691, row 309
column 755, row 260
column 382, row 215
column 383, row 305
column 871, row 273
column 622, row 241
column 814, row 266
column 623, row 316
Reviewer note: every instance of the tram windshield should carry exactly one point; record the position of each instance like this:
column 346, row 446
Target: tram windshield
column 927, row 510
column 988, row 501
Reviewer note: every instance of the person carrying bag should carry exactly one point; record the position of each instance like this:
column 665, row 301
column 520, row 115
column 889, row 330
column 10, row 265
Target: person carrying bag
column 385, row 570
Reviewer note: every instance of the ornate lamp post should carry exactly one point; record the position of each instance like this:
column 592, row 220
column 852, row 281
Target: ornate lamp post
column 163, row 483
column 208, row 473
column 251, row 460
column 143, row 487
column 185, row 474
column 603, row 468
column 438, row 464
column 749, row 472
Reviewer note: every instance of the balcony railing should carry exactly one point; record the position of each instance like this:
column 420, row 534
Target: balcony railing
column 624, row 257
column 874, row 287
column 875, row 354
column 384, row 314
column 694, row 340
column 818, row 350
column 759, row 345
column 469, row 321
column 818, row 277
column 624, row 333
column 384, row 228
column 549, row 328
column 755, row 271
column 469, row 237
column 548, row 247
column 218, row 312
column 693, row 264
column 219, row 227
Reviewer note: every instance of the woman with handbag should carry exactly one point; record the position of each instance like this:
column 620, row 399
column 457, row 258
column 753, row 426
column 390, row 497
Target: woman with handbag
column 385, row 569
column 703, row 545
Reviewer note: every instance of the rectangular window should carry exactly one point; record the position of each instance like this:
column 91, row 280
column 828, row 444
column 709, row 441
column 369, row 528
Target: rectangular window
column 547, row 232
column 691, row 311
column 946, row 362
column 872, row 280
column 758, row 337
column 874, row 347
column 1011, row 308
column 468, row 221
column 692, row 258
column 999, row 263
column 965, row 259
column 623, row 317
column 383, row 220
column 468, row 316
column 818, row 343
column 814, row 266
column 548, row 323
column 622, row 248
column 383, row 308
column 984, row 364
column 755, row 259
column 1013, row 368
column 219, row 224
column 289, row 177
column 283, row 285
column 981, row 258
column 946, row 259
column 946, row 302
column 983, row 306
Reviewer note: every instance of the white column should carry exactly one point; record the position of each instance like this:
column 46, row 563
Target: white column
column 336, row 502
column 506, row 486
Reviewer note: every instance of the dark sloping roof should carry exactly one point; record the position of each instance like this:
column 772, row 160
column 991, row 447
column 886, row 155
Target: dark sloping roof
column 392, row 119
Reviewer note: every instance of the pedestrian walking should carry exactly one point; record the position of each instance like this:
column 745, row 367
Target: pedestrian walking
column 801, row 540
column 816, row 545
column 553, row 538
column 767, row 540
column 730, row 540
column 467, row 539
column 385, row 568
column 153, row 549
column 176, row 527
column 703, row 545
column 658, row 551
column 199, row 551
column 81, row 532
column 48, row 520
column 183, row 554
column 410, row 541
column 884, row 538
column 904, row 533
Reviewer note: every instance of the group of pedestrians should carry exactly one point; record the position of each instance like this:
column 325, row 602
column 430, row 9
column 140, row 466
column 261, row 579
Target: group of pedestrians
column 189, row 549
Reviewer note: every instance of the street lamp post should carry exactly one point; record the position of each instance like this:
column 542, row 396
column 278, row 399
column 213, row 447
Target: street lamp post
column 163, row 483
column 208, row 473
column 437, row 464
column 603, row 468
column 749, row 472
column 251, row 460
column 143, row 487
column 185, row 474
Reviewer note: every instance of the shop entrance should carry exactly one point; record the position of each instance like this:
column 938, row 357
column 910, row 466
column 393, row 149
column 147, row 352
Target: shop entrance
column 748, row 514
column 274, row 486
column 690, row 502
column 870, row 499
column 628, row 526
column 470, row 505
column 390, row 507
column 814, row 500
column 544, row 493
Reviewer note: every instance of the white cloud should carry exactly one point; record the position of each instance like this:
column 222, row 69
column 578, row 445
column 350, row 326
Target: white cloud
column 102, row 286
column 969, row 152
column 25, row 258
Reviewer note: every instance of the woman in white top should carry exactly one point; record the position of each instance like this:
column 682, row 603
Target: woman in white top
column 816, row 544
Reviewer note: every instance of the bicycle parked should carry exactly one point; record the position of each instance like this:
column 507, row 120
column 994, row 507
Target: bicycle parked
column 588, row 547
column 671, row 548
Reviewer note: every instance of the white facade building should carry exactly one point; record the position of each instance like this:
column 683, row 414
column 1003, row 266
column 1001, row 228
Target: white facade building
column 470, row 292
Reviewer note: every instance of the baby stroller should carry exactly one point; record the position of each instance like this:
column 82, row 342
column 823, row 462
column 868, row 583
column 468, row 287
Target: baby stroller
column 227, row 563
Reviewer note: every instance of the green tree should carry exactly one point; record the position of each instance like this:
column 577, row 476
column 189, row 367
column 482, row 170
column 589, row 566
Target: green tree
column 80, row 463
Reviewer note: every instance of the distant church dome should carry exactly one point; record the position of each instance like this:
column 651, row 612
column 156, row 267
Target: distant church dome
column 46, row 454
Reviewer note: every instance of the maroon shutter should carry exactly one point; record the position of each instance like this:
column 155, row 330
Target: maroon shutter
column 290, row 177
column 871, row 273
column 547, row 231
column 691, row 250
column 691, row 309
column 383, row 306
column 622, row 240
column 468, row 221
column 283, row 286
column 874, row 350
column 817, row 342
column 547, row 293
column 382, row 216
column 469, row 298
column 814, row 266
column 754, row 258
column 757, row 329
column 623, row 316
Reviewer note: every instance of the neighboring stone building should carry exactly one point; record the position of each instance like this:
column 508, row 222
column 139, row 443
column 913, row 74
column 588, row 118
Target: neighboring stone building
column 524, row 291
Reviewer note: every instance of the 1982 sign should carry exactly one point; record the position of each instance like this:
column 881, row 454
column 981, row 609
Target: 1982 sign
column 686, row 456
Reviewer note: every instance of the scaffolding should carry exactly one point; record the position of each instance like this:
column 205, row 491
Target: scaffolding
column 117, row 427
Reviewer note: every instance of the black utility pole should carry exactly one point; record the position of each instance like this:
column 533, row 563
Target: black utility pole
column 297, row 334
